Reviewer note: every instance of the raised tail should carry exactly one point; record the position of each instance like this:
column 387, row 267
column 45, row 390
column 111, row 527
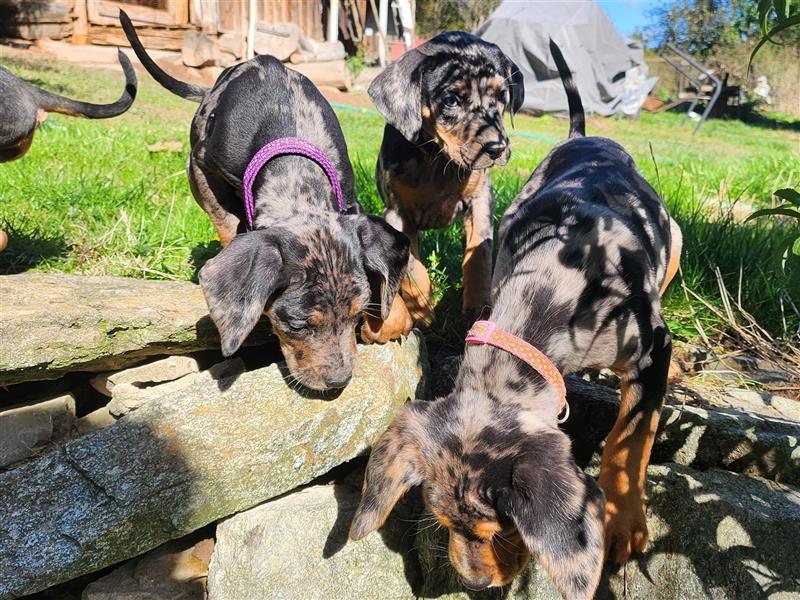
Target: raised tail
column 195, row 93
column 51, row 102
column 577, row 120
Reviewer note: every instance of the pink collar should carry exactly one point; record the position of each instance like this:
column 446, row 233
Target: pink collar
column 486, row 332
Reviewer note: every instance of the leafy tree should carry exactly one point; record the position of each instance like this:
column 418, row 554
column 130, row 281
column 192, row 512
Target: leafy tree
column 703, row 26
column 435, row 16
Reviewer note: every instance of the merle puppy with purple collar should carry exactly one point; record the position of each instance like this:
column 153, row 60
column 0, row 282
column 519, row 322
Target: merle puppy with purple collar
column 313, row 267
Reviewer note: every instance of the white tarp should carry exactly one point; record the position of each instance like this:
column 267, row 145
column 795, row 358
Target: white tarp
column 597, row 55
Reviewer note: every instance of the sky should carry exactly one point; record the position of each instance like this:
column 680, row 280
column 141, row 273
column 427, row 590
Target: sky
column 628, row 15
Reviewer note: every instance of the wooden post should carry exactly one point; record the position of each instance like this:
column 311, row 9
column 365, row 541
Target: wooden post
column 333, row 21
column 251, row 29
column 80, row 31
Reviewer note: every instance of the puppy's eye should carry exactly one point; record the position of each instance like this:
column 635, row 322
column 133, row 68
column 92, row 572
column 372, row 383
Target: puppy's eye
column 451, row 101
column 297, row 325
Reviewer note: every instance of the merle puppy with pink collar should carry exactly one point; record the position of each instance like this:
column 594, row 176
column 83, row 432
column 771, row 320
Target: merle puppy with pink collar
column 269, row 165
column 586, row 248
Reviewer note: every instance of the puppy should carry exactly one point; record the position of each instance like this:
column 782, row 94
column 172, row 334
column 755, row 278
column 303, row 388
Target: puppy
column 312, row 268
column 585, row 249
column 24, row 106
column 443, row 103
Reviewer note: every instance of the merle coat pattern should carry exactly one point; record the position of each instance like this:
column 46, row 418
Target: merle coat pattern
column 314, row 271
column 585, row 249
column 24, row 106
column 444, row 104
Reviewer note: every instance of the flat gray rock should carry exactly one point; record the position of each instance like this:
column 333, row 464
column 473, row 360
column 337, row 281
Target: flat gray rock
column 175, row 571
column 296, row 547
column 714, row 534
column 28, row 430
column 53, row 324
column 186, row 459
column 732, row 438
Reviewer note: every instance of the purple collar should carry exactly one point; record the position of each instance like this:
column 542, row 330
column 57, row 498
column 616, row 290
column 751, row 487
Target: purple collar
column 287, row 145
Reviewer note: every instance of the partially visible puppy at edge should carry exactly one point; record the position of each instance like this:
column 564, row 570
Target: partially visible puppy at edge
column 444, row 104
column 586, row 249
column 312, row 268
column 24, row 106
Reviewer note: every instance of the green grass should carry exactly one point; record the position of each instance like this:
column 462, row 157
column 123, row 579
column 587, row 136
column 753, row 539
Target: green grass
column 90, row 198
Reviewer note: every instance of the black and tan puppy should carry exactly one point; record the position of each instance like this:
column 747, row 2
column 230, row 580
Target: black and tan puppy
column 585, row 250
column 312, row 269
column 443, row 103
column 23, row 106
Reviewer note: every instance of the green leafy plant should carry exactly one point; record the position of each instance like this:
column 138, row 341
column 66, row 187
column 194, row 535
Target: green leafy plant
column 356, row 63
column 791, row 208
column 774, row 17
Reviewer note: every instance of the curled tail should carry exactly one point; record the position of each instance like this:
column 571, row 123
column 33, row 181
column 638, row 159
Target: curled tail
column 577, row 120
column 195, row 93
column 51, row 102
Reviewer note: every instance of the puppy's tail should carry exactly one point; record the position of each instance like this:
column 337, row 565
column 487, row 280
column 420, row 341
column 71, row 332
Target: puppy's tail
column 577, row 120
column 51, row 102
column 181, row 88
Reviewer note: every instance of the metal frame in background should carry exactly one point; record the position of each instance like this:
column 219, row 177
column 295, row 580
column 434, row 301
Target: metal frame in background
column 687, row 71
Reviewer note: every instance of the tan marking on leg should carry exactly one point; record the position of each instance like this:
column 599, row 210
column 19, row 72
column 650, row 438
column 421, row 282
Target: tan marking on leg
column 477, row 264
column 416, row 288
column 622, row 476
column 674, row 255
column 224, row 222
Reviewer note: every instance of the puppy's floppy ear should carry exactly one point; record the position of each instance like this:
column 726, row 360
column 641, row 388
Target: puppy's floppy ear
column 385, row 253
column 238, row 283
column 395, row 465
column 397, row 94
column 559, row 512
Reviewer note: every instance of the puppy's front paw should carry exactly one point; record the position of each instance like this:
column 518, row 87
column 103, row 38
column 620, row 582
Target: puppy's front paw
column 625, row 526
column 398, row 324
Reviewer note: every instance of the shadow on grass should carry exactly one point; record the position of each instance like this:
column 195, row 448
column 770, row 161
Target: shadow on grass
column 753, row 116
column 27, row 249
column 201, row 254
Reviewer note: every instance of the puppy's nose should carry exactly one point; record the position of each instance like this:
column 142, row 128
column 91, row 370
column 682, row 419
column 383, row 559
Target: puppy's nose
column 477, row 584
column 495, row 149
column 337, row 381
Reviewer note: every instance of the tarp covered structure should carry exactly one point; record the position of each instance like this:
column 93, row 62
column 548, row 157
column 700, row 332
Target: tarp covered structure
column 597, row 55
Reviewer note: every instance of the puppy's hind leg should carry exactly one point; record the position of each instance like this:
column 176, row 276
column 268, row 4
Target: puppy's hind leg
column 624, row 466
column 212, row 196
column 674, row 260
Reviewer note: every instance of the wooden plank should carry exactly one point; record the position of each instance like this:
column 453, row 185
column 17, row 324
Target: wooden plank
column 205, row 15
column 152, row 37
column 106, row 12
column 179, row 9
column 80, row 31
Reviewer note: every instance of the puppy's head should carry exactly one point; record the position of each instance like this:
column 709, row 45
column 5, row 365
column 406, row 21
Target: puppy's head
column 314, row 275
column 502, row 494
column 454, row 88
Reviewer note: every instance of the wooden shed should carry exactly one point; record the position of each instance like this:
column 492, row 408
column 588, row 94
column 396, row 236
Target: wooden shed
column 161, row 23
